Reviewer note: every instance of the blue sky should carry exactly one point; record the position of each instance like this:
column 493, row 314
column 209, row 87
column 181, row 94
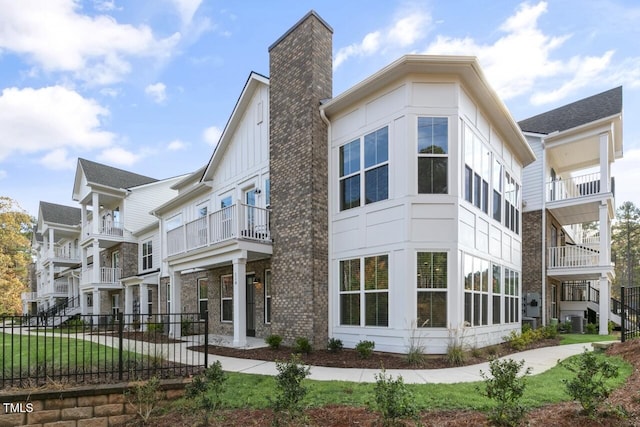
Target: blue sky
column 148, row 86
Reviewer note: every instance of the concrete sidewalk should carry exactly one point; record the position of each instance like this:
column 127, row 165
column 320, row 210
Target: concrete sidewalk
column 539, row 360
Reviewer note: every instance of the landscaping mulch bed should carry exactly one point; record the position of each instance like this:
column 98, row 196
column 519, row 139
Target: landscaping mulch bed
column 349, row 358
column 565, row 414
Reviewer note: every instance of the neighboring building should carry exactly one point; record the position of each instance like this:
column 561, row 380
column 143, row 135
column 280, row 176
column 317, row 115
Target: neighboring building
column 57, row 257
column 115, row 207
column 567, row 269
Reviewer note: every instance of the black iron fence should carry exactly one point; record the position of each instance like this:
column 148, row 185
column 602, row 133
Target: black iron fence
column 101, row 348
column 630, row 313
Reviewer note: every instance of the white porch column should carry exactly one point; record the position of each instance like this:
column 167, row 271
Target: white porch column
column 144, row 300
column 95, row 225
column 51, row 280
column 605, row 171
column 96, row 306
column 176, row 304
column 83, row 221
column 51, row 241
column 239, row 302
column 605, row 301
column 95, row 252
column 144, row 304
column 128, row 299
column 83, row 303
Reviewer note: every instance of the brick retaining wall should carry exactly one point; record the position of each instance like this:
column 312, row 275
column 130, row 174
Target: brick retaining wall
column 86, row 406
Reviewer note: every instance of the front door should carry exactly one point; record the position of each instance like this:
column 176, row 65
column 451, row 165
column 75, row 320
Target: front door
column 251, row 306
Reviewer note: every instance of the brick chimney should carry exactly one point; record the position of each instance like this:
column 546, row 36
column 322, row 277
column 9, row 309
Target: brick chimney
column 300, row 69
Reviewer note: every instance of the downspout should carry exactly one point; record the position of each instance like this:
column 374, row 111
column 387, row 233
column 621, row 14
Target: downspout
column 329, row 226
column 543, row 236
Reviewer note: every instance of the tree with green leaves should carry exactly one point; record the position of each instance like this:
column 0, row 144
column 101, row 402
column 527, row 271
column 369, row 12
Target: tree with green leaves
column 625, row 244
column 16, row 227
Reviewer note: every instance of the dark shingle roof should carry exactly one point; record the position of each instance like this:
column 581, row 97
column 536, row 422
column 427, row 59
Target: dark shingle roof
column 605, row 104
column 60, row 214
column 112, row 177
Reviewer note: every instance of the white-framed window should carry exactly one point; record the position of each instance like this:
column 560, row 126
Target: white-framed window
column 364, row 169
column 511, row 203
column 115, row 304
column 364, row 298
column 267, row 193
column 476, row 290
column 203, row 297
column 115, row 259
column 267, row 296
column 147, row 255
column 202, row 209
column 511, row 296
column 477, row 170
column 174, row 222
column 431, row 282
column 497, row 190
column 496, row 279
column 433, row 155
column 226, row 298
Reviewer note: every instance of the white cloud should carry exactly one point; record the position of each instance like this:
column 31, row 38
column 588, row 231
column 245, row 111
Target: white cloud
column 119, row 156
column 408, row 28
column 110, row 92
column 58, row 160
column 176, row 145
column 522, row 56
column 212, row 135
column 50, row 118
column 95, row 50
column 186, row 9
column 105, row 5
column 157, row 92
column 3, row 174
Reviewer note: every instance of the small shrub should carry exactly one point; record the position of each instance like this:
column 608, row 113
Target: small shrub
column 289, row 389
column 334, row 345
column 415, row 355
column 506, row 388
column 394, row 400
column 154, row 327
column 550, row 332
column 145, row 398
column 365, row 349
column 567, row 327
column 185, row 326
column 206, row 390
column 76, row 323
column 476, row 352
column 302, row 345
column 588, row 386
column 273, row 341
column 455, row 354
column 591, row 329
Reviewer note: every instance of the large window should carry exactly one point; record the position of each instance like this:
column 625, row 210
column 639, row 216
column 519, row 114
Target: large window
column 477, row 170
column 267, row 296
column 147, row 255
column 497, row 190
column 477, row 277
column 496, row 294
column 203, row 297
column 226, row 298
column 432, row 289
column 365, row 163
column 369, row 290
column 433, row 151
column 511, row 203
column 511, row 296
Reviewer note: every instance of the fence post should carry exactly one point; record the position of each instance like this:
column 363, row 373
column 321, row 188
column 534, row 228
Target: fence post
column 206, row 340
column 622, row 315
column 120, row 344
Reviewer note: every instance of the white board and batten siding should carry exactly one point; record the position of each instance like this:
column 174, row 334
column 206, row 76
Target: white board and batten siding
column 141, row 200
column 533, row 178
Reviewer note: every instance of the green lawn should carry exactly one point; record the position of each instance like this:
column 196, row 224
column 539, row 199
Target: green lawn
column 566, row 339
column 252, row 391
column 26, row 353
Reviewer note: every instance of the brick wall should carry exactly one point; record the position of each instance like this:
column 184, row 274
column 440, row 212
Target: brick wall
column 190, row 303
column 532, row 252
column 300, row 77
